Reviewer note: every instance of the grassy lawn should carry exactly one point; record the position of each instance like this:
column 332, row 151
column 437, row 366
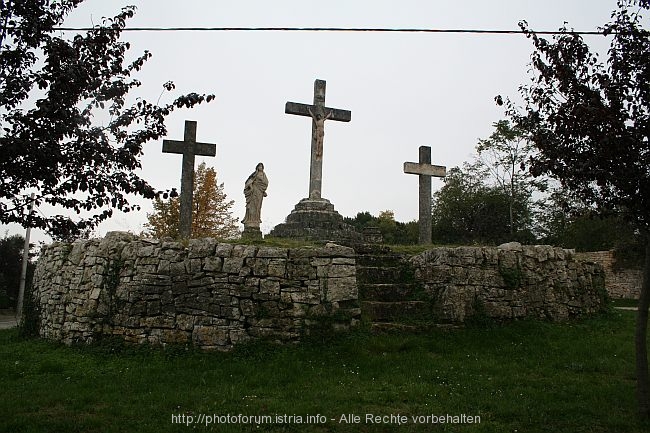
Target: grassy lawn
column 523, row 377
column 624, row 302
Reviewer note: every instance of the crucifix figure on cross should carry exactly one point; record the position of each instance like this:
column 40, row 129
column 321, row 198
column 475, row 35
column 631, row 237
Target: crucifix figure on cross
column 425, row 171
column 189, row 148
column 318, row 113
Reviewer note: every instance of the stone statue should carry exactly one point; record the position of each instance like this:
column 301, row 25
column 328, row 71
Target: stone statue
column 255, row 191
column 319, row 131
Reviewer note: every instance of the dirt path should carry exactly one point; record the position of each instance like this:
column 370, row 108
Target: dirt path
column 7, row 319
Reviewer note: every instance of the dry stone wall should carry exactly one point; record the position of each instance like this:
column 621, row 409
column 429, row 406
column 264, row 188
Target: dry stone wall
column 620, row 283
column 209, row 294
column 509, row 282
column 215, row 295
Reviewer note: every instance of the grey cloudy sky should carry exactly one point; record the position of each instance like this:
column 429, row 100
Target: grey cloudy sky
column 404, row 90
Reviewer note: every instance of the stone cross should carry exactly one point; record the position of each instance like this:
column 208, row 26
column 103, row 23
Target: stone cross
column 318, row 113
column 425, row 170
column 189, row 148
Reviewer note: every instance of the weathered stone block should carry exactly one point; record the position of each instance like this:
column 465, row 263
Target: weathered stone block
column 180, row 288
column 341, row 289
column 233, row 265
column 259, row 267
column 157, row 322
column 210, row 336
column 184, row 322
column 201, row 248
column 247, row 307
column 153, row 308
column 223, row 250
column 341, row 271
column 305, row 297
column 277, row 268
column 272, row 253
column 321, row 261
column 177, row 269
column 175, row 336
column 269, row 289
column 194, row 266
column 145, row 251
column 301, row 269
column 244, row 251
column 245, row 271
column 344, row 261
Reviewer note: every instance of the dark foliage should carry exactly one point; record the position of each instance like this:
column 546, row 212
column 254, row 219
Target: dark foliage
column 51, row 88
column 466, row 210
column 393, row 232
column 569, row 224
column 11, row 259
column 590, row 123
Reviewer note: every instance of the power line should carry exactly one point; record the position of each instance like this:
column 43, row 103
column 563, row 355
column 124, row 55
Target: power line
column 331, row 29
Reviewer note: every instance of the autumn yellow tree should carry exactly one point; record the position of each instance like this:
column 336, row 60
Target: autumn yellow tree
column 211, row 216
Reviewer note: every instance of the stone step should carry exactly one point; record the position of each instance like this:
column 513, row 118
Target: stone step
column 381, row 327
column 387, row 292
column 382, row 260
column 402, row 312
column 370, row 249
column 383, row 275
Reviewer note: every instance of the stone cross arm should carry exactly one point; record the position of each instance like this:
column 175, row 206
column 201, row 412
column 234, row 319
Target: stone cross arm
column 201, row 149
column 425, row 169
column 308, row 111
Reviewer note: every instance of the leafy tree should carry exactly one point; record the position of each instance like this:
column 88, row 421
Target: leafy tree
column 361, row 221
column 393, row 232
column 407, row 233
column 211, row 216
column 51, row 87
column 490, row 200
column 590, row 123
column 569, row 224
column 504, row 156
column 388, row 226
column 11, row 259
column 164, row 222
column 467, row 210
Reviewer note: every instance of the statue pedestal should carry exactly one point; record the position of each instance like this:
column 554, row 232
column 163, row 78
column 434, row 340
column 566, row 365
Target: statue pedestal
column 251, row 233
column 316, row 220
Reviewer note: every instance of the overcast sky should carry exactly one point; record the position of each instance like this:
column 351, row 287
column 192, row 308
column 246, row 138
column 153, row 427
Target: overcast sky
column 404, row 90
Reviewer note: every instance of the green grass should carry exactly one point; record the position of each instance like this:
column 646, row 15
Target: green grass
column 269, row 241
column 526, row 376
column 418, row 249
column 624, row 302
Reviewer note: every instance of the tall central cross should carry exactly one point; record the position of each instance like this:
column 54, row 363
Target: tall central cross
column 319, row 113
column 425, row 170
column 189, row 148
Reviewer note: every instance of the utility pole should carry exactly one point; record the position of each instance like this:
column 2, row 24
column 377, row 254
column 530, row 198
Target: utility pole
column 23, row 272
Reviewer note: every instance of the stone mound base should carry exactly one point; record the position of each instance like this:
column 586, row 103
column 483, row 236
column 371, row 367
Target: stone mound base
column 316, row 220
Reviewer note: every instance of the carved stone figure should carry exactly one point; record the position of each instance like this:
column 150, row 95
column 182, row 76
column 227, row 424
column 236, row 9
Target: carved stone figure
column 319, row 113
column 255, row 191
column 319, row 131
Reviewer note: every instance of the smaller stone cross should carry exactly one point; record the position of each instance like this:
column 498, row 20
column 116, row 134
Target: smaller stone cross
column 425, row 170
column 319, row 113
column 189, row 148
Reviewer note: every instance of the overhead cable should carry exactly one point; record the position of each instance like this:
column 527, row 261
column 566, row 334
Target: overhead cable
column 334, row 29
